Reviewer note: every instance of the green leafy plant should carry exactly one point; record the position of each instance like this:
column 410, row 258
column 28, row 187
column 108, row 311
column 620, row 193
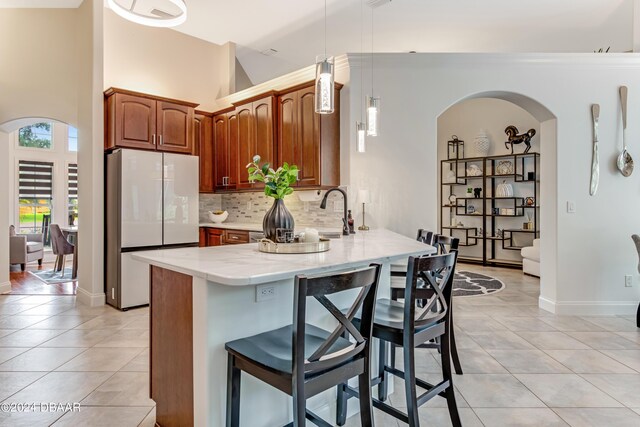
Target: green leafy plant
column 277, row 183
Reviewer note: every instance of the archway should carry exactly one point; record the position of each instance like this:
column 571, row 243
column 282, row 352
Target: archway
column 39, row 187
column 547, row 197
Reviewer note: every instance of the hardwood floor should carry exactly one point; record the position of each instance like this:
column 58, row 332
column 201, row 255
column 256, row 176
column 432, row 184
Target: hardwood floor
column 25, row 283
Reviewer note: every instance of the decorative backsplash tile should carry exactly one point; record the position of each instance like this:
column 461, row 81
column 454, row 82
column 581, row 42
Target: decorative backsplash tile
column 251, row 207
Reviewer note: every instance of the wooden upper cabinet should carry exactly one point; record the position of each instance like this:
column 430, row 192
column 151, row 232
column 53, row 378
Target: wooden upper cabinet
column 175, row 128
column 288, row 128
column 234, row 150
column 245, row 141
column 309, row 140
column 131, row 122
column 264, row 135
column 203, row 140
column 221, row 144
column 137, row 120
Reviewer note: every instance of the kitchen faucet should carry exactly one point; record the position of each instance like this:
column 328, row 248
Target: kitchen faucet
column 345, row 221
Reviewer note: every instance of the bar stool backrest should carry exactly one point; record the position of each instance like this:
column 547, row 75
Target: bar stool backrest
column 445, row 244
column 429, row 279
column 425, row 236
column 319, row 287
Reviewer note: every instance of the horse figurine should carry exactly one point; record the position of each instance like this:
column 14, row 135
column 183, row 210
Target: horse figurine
column 514, row 138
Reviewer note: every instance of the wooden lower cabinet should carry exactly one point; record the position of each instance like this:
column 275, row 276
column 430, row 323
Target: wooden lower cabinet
column 214, row 236
column 210, row 236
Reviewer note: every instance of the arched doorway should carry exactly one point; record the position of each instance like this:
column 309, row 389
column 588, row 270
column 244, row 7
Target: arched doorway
column 39, row 188
column 527, row 112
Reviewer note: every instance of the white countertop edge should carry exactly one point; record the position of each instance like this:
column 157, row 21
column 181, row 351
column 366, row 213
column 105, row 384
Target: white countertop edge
column 275, row 277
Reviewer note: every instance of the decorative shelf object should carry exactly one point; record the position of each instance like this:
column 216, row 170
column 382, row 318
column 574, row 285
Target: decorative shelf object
column 523, row 176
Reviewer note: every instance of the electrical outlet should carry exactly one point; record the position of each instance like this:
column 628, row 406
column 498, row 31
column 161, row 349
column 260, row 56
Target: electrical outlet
column 306, row 206
column 249, row 205
column 265, row 292
column 571, row 207
column 338, row 206
column 628, row 281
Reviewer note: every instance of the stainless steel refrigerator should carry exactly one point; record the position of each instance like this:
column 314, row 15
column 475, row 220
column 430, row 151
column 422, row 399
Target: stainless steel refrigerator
column 151, row 203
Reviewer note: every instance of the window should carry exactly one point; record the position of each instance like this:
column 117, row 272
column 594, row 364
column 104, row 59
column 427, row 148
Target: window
column 37, row 135
column 72, row 193
column 35, row 191
column 73, row 139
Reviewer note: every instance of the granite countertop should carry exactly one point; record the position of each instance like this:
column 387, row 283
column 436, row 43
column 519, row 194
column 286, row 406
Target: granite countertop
column 242, row 265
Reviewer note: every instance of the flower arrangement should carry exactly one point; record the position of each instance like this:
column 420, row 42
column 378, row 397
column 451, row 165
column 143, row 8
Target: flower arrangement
column 277, row 183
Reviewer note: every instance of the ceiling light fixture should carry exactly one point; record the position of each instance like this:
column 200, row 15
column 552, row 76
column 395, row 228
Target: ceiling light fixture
column 325, row 77
column 174, row 14
column 361, row 126
column 373, row 102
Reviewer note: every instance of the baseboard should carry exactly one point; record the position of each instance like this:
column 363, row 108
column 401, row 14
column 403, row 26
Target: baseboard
column 5, row 288
column 589, row 308
column 547, row 304
column 92, row 300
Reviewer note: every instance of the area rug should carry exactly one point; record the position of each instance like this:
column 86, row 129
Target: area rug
column 469, row 284
column 51, row 277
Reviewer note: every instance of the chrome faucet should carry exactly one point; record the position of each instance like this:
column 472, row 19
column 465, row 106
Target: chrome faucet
column 345, row 221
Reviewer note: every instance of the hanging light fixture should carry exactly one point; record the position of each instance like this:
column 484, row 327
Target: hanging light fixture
column 360, row 137
column 373, row 103
column 164, row 13
column 325, row 77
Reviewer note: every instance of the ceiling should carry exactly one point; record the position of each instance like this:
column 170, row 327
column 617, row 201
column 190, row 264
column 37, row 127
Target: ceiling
column 52, row 4
column 294, row 28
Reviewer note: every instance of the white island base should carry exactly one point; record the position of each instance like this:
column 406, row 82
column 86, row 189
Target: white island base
column 203, row 297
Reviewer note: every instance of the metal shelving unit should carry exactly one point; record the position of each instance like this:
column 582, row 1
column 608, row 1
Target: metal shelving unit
column 489, row 242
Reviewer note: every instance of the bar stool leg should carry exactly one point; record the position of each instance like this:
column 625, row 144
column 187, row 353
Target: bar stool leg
column 341, row 406
column 446, row 374
column 382, row 374
column 364, row 391
column 233, row 393
column 299, row 404
column 454, row 349
column 410, row 381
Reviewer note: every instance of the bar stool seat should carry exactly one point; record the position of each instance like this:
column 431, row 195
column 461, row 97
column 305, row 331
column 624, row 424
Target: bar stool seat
column 389, row 315
column 273, row 349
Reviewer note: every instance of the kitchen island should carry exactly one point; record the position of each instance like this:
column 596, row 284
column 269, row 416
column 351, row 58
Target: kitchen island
column 204, row 297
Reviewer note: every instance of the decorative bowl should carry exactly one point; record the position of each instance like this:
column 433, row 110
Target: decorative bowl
column 218, row 217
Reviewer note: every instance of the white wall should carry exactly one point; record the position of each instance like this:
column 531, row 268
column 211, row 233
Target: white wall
column 39, row 66
column 90, row 153
column 466, row 120
column 584, row 266
column 163, row 62
column 5, row 285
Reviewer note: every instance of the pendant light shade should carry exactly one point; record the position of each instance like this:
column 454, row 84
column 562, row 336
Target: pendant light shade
column 164, row 13
column 325, row 83
column 361, row 129
column 373, row 112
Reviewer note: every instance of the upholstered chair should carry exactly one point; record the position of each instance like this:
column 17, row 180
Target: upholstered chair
column 24, row 248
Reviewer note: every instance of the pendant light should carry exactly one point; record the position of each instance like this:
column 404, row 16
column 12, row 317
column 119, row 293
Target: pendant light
column 325, row 77
column 165, row 13
column 373, row 103
column 361, row 126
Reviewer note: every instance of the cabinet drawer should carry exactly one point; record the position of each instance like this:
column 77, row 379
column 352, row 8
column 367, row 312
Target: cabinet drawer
column 234, row 236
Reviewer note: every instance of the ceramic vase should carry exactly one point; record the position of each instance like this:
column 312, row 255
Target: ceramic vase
column 277, row 217
column 482, row 144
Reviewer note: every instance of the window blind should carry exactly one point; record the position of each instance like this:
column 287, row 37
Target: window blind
column 35, row 180
column 72, row 180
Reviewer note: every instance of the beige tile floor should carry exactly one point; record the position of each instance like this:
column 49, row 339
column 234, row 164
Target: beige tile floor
column 523, row 366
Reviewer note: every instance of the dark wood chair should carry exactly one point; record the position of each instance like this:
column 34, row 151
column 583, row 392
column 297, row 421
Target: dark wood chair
column 408, row 325
column 444, row 245
column 303, row 360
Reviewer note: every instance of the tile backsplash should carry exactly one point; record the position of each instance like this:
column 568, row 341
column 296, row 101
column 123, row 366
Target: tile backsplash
column 251, row 207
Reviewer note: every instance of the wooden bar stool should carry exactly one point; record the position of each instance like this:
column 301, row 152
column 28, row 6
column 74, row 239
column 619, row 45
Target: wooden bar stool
column 303, row 360
column 444, row 245
column 407, row 325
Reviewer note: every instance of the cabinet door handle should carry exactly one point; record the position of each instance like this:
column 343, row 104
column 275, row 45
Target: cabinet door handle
column 160, row 137
column 235, row 237
column 298, row 175
column 153, row 139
